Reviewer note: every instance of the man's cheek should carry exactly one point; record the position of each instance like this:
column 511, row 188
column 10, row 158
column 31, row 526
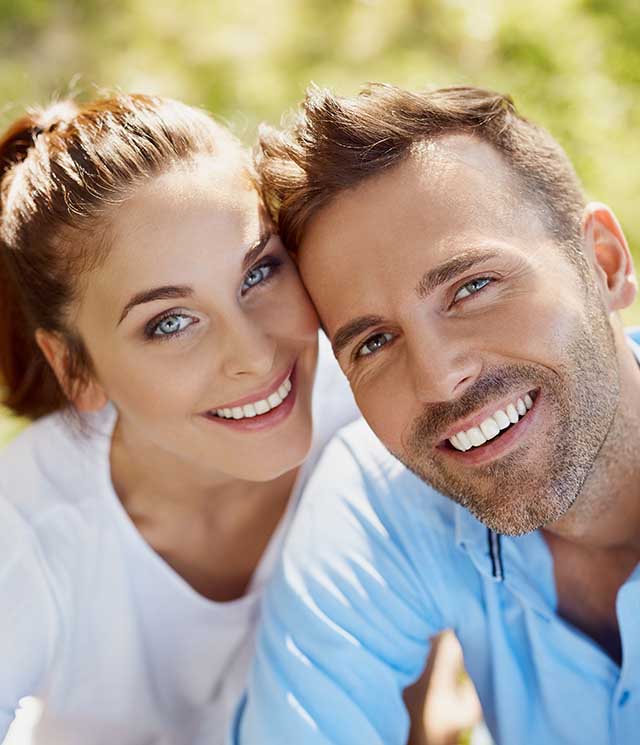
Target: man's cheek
column 388, row 417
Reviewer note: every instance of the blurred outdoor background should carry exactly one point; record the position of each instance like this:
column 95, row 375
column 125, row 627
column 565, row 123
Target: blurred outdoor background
column 572, row 65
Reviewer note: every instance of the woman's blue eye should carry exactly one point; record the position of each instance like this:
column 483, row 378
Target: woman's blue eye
column 470, row 287
column 374, row 343
column 171, row 325
column 255, row 276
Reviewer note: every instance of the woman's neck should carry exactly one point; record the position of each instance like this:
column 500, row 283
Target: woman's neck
column 210, row 527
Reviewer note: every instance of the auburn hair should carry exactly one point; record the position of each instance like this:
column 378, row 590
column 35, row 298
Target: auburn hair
column 63, row 170
column 333, row 143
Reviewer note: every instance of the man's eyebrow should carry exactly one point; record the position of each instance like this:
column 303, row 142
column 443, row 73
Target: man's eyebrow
column 168, row 292
column 451, row 268
column 350, row 330
column 427, row 284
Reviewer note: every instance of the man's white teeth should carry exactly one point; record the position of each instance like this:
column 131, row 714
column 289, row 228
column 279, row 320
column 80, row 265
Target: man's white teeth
column 256, row 408
column 492, row 426
column 512, row 414
column 502, row 419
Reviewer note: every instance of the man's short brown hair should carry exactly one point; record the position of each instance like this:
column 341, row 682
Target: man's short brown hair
column 335, row 143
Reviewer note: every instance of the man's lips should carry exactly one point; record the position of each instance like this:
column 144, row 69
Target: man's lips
column 488, row 410
column 501, row 445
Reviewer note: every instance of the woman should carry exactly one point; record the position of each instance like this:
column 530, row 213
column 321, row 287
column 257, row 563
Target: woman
column 143, row 290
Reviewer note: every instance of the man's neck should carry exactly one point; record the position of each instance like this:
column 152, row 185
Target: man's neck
column 606, row 514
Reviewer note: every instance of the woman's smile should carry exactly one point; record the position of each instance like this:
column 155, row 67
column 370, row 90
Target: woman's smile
column 261, row 410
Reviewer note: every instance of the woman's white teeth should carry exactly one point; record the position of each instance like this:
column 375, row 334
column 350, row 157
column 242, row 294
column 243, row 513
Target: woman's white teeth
column 492, row 426
column 249, row 410
column 262, row 407
column 257, row 407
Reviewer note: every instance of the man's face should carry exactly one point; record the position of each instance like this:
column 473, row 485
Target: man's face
column 451, row 311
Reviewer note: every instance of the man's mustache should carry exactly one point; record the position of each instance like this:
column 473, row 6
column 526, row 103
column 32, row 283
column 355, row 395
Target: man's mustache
column 429, row 427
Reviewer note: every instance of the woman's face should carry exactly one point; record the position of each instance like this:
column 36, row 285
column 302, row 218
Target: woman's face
column 199, row 328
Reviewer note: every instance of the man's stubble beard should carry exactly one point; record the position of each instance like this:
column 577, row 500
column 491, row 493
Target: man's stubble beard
column 540, row 480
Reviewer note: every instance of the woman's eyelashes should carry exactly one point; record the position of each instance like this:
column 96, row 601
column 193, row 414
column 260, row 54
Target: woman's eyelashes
column 261, row 273
column 175, row 322
column 170, row 325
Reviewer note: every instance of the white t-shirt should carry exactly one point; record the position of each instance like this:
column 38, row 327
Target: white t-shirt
column 107, row 642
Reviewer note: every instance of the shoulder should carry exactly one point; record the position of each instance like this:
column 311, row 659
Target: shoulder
column 364, row 469
column 51, row 508
column 54, row 461
column 362, row 505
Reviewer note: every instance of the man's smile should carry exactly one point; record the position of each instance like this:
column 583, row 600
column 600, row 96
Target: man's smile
column 482, row 428
column 484, row 438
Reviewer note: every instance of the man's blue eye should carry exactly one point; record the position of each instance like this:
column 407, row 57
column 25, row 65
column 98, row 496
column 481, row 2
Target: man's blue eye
column 470, row 287
column 373, row 344
column 171, row 325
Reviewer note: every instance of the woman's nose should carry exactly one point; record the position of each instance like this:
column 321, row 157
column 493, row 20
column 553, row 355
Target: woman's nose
column 250, row 349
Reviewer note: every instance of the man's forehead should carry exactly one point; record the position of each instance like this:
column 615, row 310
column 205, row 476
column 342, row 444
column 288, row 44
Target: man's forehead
column 446, row 186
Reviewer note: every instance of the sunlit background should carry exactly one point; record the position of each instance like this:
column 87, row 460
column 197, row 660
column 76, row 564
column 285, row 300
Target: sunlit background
column 572, row 65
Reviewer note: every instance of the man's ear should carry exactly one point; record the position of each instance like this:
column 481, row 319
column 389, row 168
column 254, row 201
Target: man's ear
column 84, row 395
column 607, row 247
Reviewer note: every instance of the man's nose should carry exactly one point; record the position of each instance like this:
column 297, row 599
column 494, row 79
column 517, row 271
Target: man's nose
column 442, row 365
column 249, row 349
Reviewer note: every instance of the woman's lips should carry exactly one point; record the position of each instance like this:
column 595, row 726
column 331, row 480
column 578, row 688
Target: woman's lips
column 260, row 395
column 263, row 421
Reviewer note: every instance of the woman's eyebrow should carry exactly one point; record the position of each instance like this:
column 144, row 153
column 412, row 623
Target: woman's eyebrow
column 168, row 292
column 255, row 250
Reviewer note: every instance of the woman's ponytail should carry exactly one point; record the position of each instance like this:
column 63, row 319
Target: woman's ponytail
column 28, row 385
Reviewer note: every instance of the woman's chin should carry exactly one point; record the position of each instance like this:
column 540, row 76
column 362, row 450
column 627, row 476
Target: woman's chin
column 264, row 468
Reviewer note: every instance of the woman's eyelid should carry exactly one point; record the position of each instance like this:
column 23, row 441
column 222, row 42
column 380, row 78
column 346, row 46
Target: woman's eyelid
column 271, row 262
column 151, row 327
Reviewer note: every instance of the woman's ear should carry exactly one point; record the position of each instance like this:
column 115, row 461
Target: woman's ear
column 84, row 395
column 607, row 248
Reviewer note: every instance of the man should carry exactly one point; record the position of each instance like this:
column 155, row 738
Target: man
column 471, row 298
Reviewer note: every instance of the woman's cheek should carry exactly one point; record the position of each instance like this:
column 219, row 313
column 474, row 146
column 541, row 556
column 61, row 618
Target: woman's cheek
column 299, row 310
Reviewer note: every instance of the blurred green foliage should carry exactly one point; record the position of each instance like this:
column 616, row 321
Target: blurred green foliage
column 572, row 65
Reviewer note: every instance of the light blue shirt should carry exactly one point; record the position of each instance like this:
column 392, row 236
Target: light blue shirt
column 376, row 563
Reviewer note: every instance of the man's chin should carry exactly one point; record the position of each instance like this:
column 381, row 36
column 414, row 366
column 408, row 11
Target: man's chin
column 501, row 501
